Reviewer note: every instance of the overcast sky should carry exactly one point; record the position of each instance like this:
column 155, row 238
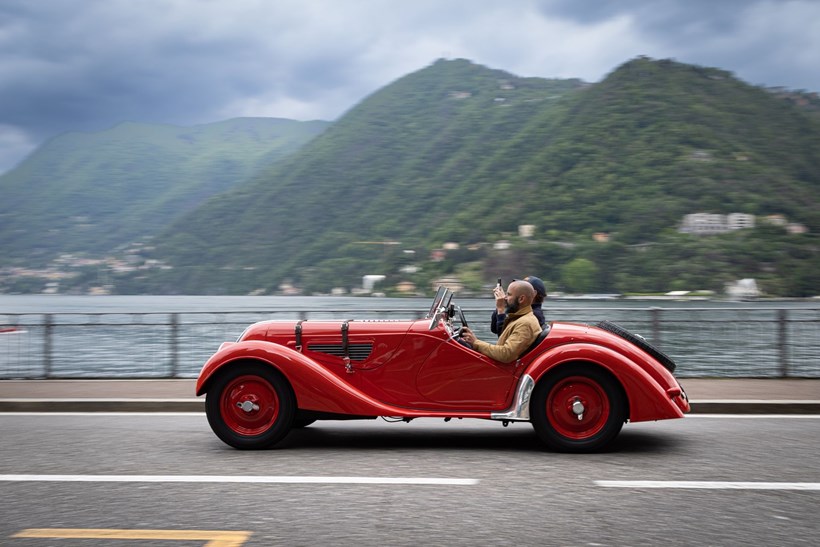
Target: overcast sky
column 86, row 65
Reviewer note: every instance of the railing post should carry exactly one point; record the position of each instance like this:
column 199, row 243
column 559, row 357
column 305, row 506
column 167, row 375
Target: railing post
column 174, row 345
column 783, row 342
column 656, row 326
column 48, row 332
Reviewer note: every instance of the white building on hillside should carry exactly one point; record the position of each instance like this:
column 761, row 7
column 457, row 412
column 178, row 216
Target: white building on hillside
column 740, row 221
column 704, row 224
column 708, row 223
column 743, row 289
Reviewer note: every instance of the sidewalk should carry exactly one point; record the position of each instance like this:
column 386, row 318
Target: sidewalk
column 707, row 396
column 100, row 396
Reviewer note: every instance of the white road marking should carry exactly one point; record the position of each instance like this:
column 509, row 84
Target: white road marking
column 184, row 413
column 102, row 414
column 712, row 485
column 755, row 416
column 754, row 401
column 249, row 479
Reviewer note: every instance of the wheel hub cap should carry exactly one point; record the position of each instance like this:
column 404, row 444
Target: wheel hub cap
column 248, row 406
column 578, row 408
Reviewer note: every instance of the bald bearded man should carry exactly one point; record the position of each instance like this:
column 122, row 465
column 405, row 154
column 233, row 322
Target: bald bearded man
column 521, row 327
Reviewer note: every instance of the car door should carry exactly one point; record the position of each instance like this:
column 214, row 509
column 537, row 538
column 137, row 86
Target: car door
column 460, row 378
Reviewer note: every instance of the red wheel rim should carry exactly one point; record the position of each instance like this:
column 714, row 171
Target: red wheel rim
column 578, row 407
column 249, row 405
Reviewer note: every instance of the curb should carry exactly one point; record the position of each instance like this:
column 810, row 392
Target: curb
column 755, row 406
column 748, row 406
column 102, row 405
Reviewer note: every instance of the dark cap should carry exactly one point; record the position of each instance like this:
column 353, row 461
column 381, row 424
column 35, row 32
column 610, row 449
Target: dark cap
column 538, row 285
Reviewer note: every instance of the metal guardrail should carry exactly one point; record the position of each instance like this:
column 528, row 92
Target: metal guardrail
column 720, row 342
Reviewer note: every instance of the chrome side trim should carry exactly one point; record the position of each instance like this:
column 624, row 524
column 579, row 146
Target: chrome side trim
column 520, row 410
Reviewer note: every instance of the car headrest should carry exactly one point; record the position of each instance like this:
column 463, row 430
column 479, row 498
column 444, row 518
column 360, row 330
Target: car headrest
column 544, row 332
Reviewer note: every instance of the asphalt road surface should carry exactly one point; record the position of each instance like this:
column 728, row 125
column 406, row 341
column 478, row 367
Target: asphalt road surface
column 166, row 480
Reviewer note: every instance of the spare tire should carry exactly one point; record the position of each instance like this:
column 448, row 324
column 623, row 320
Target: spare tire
column 639, row 341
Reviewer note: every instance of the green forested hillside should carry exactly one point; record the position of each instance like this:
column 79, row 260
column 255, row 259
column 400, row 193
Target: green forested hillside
column 458, row 155
column 90, row 192
column 461, row 153
column 663, row 139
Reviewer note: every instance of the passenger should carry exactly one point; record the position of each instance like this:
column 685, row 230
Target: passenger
column 520, row 330
column 500, row 302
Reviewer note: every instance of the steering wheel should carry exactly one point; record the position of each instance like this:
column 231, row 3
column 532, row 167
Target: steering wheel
column 462, row 319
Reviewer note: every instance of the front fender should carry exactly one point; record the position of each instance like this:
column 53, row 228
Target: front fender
column 315, row 387
column 227, row 352
column 648, row 399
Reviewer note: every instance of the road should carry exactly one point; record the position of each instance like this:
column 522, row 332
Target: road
column 163, row 479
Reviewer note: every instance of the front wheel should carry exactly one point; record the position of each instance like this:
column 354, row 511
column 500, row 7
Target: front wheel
column 250, row 406
column 578, row 408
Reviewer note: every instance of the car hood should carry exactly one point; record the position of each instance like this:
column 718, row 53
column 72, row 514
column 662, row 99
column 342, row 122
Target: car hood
column 367, row 343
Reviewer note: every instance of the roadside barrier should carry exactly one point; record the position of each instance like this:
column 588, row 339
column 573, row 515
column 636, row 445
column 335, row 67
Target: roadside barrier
column 704, row 342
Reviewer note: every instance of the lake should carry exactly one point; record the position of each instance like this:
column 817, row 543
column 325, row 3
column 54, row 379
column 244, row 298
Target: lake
column 160, row 336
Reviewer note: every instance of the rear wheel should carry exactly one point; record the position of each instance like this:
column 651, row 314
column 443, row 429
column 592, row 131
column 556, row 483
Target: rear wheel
column 250, row 406
column 578, row 408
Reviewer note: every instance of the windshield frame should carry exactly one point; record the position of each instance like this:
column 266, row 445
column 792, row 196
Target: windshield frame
column 441, row 294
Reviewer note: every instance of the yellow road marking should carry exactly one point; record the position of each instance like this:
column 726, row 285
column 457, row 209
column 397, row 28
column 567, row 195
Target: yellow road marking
column 214, row 538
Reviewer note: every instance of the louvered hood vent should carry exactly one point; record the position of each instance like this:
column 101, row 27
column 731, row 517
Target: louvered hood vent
column 356, row 352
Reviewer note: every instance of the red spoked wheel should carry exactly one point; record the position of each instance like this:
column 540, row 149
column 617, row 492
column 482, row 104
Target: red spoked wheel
column 250, row 406
column 578, row 408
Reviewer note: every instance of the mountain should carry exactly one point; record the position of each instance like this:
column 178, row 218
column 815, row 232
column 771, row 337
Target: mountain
column 434, row 174
column 457, row 152
column 91, row 192
column 397, row 166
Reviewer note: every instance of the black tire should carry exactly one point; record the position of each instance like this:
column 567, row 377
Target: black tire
column 557, row 420
column 618, row 330
column 250, row 406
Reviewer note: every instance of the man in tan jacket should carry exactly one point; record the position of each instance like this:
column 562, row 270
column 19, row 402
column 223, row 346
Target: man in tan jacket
column 521, row 327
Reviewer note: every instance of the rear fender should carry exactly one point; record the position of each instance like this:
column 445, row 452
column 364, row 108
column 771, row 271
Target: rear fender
column 648, row 400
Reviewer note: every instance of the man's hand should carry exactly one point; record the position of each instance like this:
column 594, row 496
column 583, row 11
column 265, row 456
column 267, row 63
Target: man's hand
column 468, row 336
column 500, row 299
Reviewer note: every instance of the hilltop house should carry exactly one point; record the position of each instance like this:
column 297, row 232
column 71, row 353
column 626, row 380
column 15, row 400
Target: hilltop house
column 708, row 224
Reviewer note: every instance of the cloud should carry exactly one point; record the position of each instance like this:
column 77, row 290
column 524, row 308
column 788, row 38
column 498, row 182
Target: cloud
column 766, row 42
column 14, row 144
column 89, row 64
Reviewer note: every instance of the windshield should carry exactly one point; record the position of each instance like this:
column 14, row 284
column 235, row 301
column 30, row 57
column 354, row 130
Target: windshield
column 443, row 297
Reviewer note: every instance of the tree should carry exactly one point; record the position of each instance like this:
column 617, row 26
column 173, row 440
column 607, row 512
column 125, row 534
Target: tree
column 579, row 275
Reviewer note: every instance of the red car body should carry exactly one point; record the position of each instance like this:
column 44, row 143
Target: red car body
column 578, row 385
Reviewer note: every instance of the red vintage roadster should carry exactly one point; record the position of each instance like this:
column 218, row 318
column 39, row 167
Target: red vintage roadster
column 577, row 384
